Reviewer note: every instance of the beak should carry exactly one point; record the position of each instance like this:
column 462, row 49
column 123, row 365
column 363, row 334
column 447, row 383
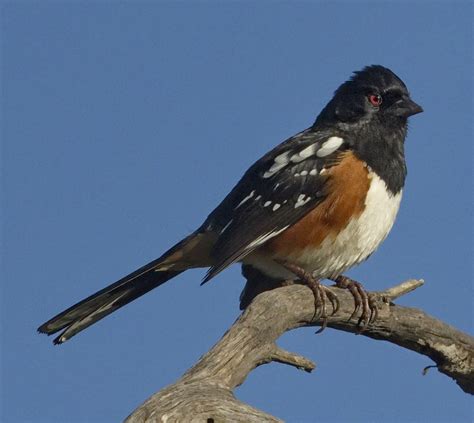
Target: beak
column 406, row 107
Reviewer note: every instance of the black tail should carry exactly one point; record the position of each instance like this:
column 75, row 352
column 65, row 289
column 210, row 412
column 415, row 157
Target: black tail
column 186, row 254
column 106, row 301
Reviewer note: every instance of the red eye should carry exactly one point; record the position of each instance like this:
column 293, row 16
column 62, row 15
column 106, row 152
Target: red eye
column 375, row 100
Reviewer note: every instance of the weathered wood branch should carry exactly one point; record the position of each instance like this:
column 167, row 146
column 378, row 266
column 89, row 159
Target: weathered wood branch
column 204, row 392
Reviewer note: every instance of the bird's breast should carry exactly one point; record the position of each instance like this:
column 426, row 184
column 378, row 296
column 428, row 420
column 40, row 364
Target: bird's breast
column 343, row 230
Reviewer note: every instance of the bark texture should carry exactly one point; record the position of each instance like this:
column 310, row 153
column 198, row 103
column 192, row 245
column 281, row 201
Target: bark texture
column 205, row 392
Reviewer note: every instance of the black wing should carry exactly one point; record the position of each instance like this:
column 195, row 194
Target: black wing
column 277, row 191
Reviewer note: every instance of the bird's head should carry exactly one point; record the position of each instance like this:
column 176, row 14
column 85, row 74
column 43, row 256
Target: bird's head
column 373, row 95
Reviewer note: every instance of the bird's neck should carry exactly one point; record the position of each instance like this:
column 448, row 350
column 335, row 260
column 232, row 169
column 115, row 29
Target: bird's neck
column 383, row 150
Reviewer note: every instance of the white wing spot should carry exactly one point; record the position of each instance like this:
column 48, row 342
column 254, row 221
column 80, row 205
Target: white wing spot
column 296, row 158
column 258, row 197
column 245, row 199
column 267, row 203
column 279, row 162
column 276, row 207
column 308, row 151
column 304, row 173
column 296, row 175
column 301, row 201
column 282, row 158
column 313, row 172
column 303, row 154
column 226, row 226
column 330, row 146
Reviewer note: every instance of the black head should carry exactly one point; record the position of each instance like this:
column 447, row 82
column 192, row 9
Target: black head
column 370, row 112
column 372, row 95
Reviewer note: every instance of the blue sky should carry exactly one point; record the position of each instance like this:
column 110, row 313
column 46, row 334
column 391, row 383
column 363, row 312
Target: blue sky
column 124, row 124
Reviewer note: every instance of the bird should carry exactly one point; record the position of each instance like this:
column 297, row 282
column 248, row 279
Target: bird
column 317, row 204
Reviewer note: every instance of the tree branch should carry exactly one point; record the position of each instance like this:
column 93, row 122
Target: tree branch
column 204, row 392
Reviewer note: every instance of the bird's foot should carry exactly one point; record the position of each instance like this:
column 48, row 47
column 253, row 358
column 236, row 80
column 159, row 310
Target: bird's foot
column 361, row 299
column 320, row 293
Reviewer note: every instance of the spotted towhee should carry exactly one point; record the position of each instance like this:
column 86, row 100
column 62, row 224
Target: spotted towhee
column 314, row 206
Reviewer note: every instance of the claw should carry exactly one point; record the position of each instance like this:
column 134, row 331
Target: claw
column 322, row 307
column 320, row 293
column 333, row 300
column 361, row 299
column 323, row 326
column 322, row 296
column 374, row 311
column 356, row 309
column 366, row 312
column 357, row 300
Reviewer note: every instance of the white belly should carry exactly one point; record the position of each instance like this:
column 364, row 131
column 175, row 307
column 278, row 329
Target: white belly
column 357, row 241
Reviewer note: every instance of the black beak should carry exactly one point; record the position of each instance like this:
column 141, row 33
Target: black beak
column 406, row 107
